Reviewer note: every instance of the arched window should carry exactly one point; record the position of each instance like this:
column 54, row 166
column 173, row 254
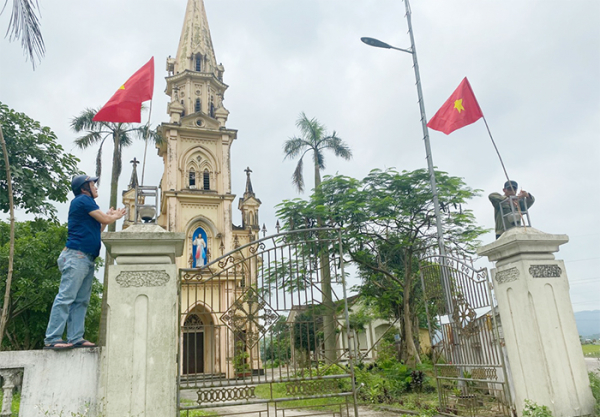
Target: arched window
column 192, row 178
column 199, row 248
column 206, row 180
column 198, row 62
column 197, row 106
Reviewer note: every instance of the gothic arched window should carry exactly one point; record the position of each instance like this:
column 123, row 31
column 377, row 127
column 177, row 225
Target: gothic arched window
column 206, row 180
column 192, row 178
column 198, row 62
column 197, row 106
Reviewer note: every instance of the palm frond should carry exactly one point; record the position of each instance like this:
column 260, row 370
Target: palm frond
column 99, row 161
column 297, row 177
column 293, row 147
column 125, row 139
column 311, row 129
column 337, row 145
column 84, row 121
column 88, row 140
column 25, row 25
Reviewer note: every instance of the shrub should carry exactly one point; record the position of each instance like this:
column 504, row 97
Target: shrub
column 533, row 410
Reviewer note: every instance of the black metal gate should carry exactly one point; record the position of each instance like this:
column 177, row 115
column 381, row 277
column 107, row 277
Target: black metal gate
column 261, row 327
column 468, row 357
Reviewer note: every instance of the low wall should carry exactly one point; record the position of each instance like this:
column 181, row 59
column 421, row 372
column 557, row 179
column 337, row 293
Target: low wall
column 56, row 383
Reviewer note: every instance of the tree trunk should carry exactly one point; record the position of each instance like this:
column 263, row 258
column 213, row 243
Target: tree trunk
column 329, row 316
column 11, row 252
column 411, row 349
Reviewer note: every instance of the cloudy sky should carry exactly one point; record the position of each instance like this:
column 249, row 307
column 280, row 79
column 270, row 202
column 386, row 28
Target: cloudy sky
column 533, row 65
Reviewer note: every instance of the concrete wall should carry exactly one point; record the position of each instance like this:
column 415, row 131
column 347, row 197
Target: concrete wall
column 56, row 382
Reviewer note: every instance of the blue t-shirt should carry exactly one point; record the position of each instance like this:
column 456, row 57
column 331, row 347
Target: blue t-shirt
column 84, row 230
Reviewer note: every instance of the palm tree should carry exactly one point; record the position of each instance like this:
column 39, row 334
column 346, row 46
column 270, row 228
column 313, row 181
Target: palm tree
column 316, row 140
column 313, row 138
column 98, row 133
column 25, row 25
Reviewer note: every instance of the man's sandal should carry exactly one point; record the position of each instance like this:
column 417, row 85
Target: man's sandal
column 59, row 345
column 84, row 344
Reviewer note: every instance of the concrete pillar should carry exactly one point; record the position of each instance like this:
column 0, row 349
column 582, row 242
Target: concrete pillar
column 538, row 324
column 138, row 365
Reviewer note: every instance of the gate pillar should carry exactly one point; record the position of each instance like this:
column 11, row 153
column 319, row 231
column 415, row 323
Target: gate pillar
column 538, row 324
column 138, row 363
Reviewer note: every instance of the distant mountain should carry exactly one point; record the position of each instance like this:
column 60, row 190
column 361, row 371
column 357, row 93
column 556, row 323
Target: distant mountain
column 588, row 323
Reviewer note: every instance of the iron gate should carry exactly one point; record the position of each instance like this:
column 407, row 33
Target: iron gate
column 261, row 327
column 468, row 358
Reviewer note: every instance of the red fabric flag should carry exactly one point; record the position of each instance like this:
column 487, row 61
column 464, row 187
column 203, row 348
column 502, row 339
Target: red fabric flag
column 125, row 106
column 460, row 110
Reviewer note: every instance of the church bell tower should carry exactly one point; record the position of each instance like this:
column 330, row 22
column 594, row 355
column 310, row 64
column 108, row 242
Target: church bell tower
column 196, row 195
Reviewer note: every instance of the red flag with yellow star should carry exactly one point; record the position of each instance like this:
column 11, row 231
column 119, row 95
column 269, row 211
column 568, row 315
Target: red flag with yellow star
column 460, row 110
column 125, row 106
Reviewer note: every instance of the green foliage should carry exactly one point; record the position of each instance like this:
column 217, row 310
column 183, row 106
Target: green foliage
column 35, row 282
column 313, row 138
column 595, row 386
column 41, row 171
column 240, row 359
column 276, row 348
column 531, row 409
column 389, row 223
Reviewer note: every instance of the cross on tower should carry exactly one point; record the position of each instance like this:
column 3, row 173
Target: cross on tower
column 135, row 162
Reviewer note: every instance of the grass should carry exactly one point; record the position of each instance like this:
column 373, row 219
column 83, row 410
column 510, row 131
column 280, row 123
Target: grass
column 195, row 413
column 279, row 391
column 16, row 402
column 591, row 351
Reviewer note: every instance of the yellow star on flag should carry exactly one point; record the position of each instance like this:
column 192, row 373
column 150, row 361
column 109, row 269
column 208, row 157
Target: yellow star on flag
column 458, row 105
column 122, row 87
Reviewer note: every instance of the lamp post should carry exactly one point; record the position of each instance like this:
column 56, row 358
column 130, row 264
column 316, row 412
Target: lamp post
column 436, row 204
column 412, row 50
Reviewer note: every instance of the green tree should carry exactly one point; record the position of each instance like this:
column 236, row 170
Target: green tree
column 314, row 139
column 41, row 170
column 36, row 280
column 389, row 222
column 25, row 26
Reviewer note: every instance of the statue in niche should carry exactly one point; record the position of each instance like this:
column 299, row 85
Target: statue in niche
column 199, row 248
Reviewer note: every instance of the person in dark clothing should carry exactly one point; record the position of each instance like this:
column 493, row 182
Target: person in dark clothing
column 522, row 202
column 76, row 264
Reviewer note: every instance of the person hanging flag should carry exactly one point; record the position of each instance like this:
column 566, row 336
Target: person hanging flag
column 460, row 110
column 125, row 106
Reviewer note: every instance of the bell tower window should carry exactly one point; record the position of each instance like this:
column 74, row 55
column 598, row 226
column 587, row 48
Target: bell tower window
column 192, row 178
column 206, row 179
column 198, row 62
column 197, row 105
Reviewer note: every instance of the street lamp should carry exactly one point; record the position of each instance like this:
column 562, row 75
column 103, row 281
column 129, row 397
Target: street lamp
column 436, row 204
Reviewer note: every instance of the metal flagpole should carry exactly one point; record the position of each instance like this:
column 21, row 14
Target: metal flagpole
column 146, row 142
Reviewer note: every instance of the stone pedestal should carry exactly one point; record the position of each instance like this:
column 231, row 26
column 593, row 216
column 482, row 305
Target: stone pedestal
column 139, row 368
column 538, row 323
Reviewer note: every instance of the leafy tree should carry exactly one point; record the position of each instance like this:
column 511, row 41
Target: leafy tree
column 41, row 170
column 314, row 139
column 36, row 281
column 389, row 223
column 25, row 25
column 276, row 346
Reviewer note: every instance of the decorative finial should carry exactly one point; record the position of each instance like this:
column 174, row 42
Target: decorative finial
column 264, row 230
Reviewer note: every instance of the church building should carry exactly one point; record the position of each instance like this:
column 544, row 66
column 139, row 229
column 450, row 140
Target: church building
column 195, row 190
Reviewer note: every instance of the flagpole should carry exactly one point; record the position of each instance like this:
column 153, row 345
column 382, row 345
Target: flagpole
column 496, row 148
column 146, row 141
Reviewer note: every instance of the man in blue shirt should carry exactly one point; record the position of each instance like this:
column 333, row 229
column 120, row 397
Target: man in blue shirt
column 76, row 264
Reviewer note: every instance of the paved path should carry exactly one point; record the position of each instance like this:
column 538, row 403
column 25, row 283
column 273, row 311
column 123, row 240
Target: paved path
column 593, row 364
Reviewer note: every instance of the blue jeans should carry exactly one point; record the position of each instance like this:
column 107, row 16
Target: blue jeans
column 73, row 298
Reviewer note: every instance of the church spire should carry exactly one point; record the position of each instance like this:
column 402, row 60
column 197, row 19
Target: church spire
column 249, row 192
column 195, row 52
